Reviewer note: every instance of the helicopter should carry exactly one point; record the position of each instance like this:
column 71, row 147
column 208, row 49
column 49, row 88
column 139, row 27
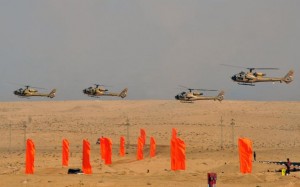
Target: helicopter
column 249, row 78
column 100, row 90
column 194, row 95
column 32, row 91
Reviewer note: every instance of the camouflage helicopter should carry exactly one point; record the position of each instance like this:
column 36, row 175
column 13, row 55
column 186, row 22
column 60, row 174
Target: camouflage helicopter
column 194, row 95
column 31, row 91
column 249, row 78
column 99, row 90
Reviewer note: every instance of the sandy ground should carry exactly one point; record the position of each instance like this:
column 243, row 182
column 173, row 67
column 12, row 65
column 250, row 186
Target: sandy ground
column 274, row 128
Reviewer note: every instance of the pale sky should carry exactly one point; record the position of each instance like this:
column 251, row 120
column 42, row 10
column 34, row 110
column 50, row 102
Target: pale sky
column 151, row 47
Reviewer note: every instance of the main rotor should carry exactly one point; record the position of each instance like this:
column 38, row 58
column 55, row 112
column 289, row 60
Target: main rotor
column 198, row 89
column 250, row 69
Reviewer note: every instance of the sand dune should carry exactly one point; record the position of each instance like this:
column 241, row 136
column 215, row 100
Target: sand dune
column 274, row 128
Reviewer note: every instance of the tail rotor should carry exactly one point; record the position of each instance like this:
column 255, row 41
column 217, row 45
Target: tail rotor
column 123, row 94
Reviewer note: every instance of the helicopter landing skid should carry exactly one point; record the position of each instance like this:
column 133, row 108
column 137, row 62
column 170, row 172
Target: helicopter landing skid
column 245, row 84
column 187, row 102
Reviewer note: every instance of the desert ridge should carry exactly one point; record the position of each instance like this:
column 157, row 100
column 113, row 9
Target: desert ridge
column 272, row 126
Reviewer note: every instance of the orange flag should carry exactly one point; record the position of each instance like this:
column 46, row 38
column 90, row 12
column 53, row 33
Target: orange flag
column 180, row 155
column 173, row 153
column 30, row 152
column 140, row 146
column 108, row 151
column 173, row 148
column 102, row 148
column 152, row 147
column 65, row 152
column 174, row 133
column 245, row 153
column 143, row 136
column 86, row 150
column 177, row 152
column 122, row 146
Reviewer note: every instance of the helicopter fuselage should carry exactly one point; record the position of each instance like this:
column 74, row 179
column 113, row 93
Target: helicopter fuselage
column 250, row 78
column 28, row 92
column 98, row 91
column 189, row 97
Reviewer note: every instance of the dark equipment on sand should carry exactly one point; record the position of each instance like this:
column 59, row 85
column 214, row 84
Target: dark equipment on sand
column 74, row 171
column 212, row 179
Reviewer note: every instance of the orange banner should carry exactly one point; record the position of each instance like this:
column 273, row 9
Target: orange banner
column 173, row 153
column 108, row 151
column 30, row 152
column 65, row 152
column 173, row 148
column 140, row 147
column 122, row 146
column 180, row 155
column 152, row 147
column 86, row 150
column 177, row 154
column 245, row 153
column 102, row 148
column 143, row 136
column 174, row 133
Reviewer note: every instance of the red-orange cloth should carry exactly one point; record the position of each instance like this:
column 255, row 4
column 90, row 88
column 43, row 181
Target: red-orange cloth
column 143, row 136
column 108, row 151
column 180, row 155
column 30, row 152
column 122, row 146
column 177, row 154
column 173, row 153
column 140, row 145
column 102, row 148
column 173, row 148
column 174, row 133
column 152, row 147
column 65, row 152
column 86, row 150
column 245, row 153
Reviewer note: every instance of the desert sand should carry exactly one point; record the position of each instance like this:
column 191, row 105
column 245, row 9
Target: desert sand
column 274, row 128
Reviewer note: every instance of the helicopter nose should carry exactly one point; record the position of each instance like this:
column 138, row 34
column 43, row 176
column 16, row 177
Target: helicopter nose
column 84, row 91
column 233, row 78
column 177, row 97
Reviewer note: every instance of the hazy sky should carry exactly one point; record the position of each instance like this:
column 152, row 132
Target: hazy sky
column 150, row 47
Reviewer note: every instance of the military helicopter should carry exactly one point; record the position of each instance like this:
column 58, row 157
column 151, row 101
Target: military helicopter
column 194, row 95
column 31, row 91
column 249, row 78
column 100, row 90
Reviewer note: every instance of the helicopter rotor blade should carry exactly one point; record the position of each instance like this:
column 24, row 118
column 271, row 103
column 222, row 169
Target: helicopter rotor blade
column 183, row 87
column 97, row 85
column 199, row 89
column 233, row 66
column 27, row 86
column 206, row 90
column 263, row 68
column 252, row 68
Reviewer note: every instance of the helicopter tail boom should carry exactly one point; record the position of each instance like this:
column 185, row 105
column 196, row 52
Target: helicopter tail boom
column 52, row 93
column 289, row 77
column 123, row 94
